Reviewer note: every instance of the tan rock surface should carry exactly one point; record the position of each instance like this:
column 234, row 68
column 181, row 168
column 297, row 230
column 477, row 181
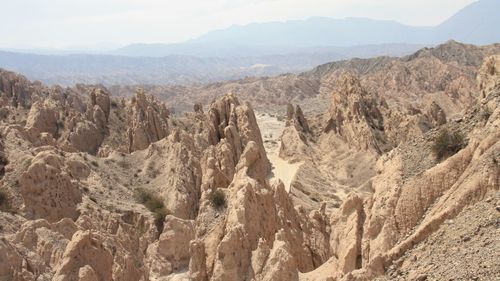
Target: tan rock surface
column 367, row 198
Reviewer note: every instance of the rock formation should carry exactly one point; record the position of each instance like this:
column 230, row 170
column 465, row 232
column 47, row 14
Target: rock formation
column 96, row 188
column 354, row 115
column 149, row 121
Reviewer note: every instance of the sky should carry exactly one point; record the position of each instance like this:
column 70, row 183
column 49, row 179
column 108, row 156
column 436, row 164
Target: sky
column 104, row 24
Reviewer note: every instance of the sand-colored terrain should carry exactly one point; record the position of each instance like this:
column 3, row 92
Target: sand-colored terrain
column 397, row 187
column 271, row 126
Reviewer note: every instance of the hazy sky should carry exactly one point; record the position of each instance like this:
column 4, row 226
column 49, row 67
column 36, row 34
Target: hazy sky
column 63, row 23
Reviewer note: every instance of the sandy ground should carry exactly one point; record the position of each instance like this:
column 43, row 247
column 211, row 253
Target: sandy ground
column 271, row 127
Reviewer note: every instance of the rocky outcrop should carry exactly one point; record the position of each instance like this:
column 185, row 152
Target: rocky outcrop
column 83, row 135
column 148, row 121
column 488, row 75
column 42, row 118
column 175, row 173
column 261, row 230
column 296, row 118
column 294, row 143
column 171, row 252
column 75, row 216
column 85, row 255
column 345, row 239
column 17, row 89
column 355, row 116
column 47, row 189
column 436, row 114
column 98, row 97
column 232, row 126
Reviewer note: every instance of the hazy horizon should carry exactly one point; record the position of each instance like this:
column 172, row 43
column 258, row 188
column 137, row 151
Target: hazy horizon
column 108, row 24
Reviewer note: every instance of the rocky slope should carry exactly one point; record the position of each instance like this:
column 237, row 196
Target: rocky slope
column 445, row 74
column 95, row 187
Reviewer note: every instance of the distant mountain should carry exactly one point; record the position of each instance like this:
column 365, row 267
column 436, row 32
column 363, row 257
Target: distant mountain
column 291, row 37
column 259, row 49
column 477, row 23
column 318, row 32
column 178, row 69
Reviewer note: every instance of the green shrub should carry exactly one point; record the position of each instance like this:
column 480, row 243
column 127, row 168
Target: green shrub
column 3, row 198
column 446, row 144
column 5, row 205
column 154, row 204
column 218, row 199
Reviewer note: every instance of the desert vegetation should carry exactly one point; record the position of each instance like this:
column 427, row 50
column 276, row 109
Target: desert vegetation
column 153, row 203
column 218, row 199
column 447, row 144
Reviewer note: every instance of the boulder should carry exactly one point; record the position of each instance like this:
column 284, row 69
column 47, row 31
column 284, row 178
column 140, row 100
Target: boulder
column 47, row 189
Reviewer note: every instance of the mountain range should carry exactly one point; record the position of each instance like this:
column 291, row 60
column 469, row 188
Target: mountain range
column 259, row 49
column 476, row 23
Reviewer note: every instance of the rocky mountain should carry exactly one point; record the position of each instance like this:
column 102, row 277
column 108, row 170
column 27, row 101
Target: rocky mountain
column 445, row 73
column 255, row 50
column 99, row 187
column 474, row 24
column 182, row 66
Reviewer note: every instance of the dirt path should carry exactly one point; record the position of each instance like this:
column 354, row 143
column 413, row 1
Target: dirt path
column 271, row 129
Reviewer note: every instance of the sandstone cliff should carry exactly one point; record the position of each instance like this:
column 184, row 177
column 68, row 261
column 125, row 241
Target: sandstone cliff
column 98, row 188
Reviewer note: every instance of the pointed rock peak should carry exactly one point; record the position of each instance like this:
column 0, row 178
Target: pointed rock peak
column 355, row 116
column 436, row 114
column 489, row 75
column 295, row 117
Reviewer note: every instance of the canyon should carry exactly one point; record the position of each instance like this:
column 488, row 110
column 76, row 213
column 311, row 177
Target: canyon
column 332, row 174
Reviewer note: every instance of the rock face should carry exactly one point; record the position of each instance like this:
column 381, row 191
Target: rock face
column 42, row 118
column 149, row 121
column 171, row 252
column 100, row 99
column 192, row 197
column 295, row 136
column 488, row 75
column 48, row 190
column 85, row 256
column 296, row 117
column 17, row 89
column 354, row 115
column 436, row 114
column 83, row 136
column 231, row 127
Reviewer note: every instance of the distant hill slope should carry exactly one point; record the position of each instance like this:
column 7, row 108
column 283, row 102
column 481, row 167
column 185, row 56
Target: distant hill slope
column 477, row 23
column 257, row 50
column 177, row 69
column 318, row 32
column 452, row 68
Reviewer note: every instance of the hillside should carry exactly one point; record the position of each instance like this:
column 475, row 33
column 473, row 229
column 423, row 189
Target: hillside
column 451, row 68
column 474, row 24
column 254, row 50
column 394, row 177
column 182, row 69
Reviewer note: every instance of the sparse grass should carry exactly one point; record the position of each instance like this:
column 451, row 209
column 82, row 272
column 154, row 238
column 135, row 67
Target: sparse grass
column 3, row 163
column 154, row 204
column 26, row 163
column 3, row 198
column 486, row 113
column 94, row 163
column 446, row 144
column 217, row 199
column 5, row 205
